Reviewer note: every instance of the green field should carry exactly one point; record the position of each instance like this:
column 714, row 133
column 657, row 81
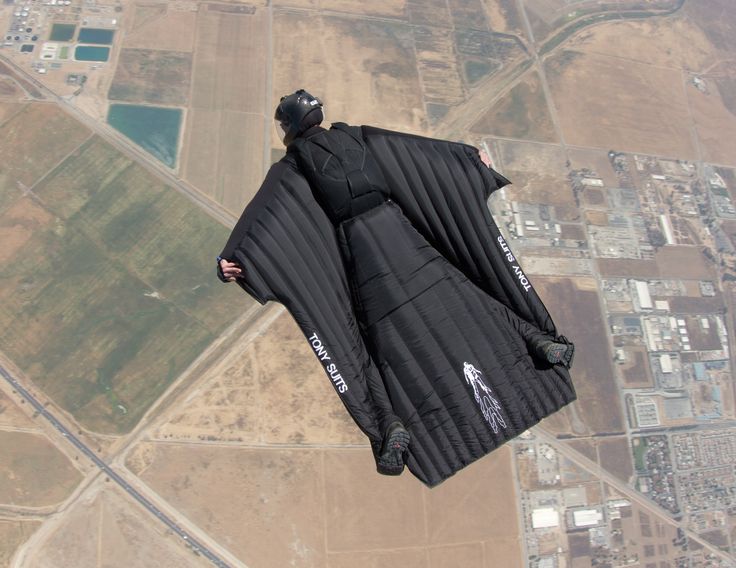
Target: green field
column 114, row 296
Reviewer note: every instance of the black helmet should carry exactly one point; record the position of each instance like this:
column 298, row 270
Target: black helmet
column 297, row 112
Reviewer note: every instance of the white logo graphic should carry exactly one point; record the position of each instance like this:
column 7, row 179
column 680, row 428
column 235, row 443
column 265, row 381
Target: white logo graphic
column 484, row 397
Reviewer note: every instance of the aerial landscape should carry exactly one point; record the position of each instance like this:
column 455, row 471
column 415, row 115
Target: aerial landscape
column 152, row 416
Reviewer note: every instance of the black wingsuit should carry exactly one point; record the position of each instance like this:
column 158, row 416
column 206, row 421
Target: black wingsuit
column 382, row 247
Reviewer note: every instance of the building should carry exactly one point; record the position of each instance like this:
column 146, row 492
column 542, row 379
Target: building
column 545, row 518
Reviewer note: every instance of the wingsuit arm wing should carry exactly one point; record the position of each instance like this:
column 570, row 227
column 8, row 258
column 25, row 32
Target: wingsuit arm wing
column 289, row 252
column 442, row 187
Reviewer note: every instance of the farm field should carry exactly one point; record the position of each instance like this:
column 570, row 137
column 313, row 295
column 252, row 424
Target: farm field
column 161, row 26
column 253, row 489
column 34, row 140
column 223, row 152
column 127, row 298
column 33, row 473
column 152, row 76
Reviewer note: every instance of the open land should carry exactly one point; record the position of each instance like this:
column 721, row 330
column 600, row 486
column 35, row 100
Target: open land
column 383, row 68
column 668, row 42
column 33, row 473
column 8, row 109
column 12, row 416
column 224, row 137
column 161, row 26
column 536, row 171
column 96, row 341
column 504, row 17
column 521, row 114
column 12, row 535
column 598, row 402
column 634, row 107
column 9, row 89
column 615, row 456
column 35, row 139
column 261, row 436
column 106, row 529
column 152, row 76
column 276, row 374
column 715, row 123
column 253, row 489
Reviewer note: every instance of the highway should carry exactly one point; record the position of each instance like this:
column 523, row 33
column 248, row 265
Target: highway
column 188, row 539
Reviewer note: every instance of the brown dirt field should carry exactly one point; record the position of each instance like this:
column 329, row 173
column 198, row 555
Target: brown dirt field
column 11, row 414
column 383, row 68
column 609, row 103
column 618, row 267
column 276, row 375
column 635, row 372
column 587, row 447
column 34, row 140
column 33, row 472
column 504, row 17
column 537, row 173
column 12, row 535
column 109, row 529
column 245, row 495
column 158, row 26
column 715, row 124
column 224, row 137
column 615, row 457
column 386, row 8
column 717, row 20
column 574, row 306
column 8, row 109
column 224, row 43
column 597, row 218
column 9, row 89
column 18, row 223
column 572, row 232
column 685, row 305
column 223, row 155
column 687, row 263
column 521, row 113
column 596, row 161
column 667, row 42
column 152, row 76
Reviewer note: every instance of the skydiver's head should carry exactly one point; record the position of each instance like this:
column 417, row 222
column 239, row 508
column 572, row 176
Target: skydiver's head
column 296, row 113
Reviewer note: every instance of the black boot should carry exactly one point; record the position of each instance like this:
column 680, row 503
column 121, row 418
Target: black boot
column 395, row 443
column 555, row 352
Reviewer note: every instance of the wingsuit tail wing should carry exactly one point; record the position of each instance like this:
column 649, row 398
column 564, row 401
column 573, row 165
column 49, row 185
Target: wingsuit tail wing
column 442, row 187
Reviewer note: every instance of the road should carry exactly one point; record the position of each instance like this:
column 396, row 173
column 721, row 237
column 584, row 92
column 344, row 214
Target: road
column 188, row 539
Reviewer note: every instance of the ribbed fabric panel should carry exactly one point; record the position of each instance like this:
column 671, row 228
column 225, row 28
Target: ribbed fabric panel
column 419, row 290
column 424, row 320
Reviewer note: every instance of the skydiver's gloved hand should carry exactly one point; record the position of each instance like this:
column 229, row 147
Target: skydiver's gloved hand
column 485, row 158
column 228, row 271
column 556, row 352
column 395, row 444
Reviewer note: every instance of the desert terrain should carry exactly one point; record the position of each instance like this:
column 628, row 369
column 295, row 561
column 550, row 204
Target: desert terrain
column 150, row 415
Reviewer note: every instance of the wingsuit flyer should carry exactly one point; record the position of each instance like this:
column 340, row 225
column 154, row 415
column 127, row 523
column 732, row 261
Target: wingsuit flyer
column 381, row 246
